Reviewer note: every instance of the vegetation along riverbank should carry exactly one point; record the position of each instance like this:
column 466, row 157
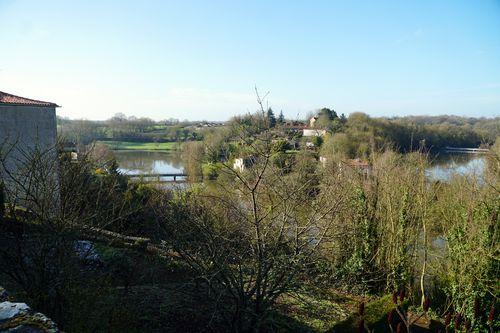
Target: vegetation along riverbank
column 285, row 232
column 144, row 146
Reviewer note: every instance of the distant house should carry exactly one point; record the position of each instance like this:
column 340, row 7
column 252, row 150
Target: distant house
column 240, row 164
column 359, row 165
column 313, row 132
column 312, row 121
column 26, row 126
column 310, row 145
column 71, row 149
column 355, row 164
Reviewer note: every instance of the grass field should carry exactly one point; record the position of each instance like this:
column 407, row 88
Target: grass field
column 151, row 146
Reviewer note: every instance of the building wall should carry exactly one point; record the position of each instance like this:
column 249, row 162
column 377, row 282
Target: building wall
column 24, row 129
column 313, row 132
column 30, row 124
column 239, row 164
column 312, row 121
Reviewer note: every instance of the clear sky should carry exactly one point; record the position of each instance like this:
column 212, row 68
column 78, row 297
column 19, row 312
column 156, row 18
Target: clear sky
column 202, row 59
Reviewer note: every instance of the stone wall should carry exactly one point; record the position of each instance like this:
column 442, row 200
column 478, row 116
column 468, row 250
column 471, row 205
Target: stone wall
column 29, row 124
column 25, row 130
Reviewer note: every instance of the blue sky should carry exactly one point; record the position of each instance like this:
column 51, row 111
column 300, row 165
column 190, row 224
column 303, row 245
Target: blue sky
column 202, row 59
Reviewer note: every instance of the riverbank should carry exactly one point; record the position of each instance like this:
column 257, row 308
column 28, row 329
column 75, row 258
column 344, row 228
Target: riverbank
column 142, row 146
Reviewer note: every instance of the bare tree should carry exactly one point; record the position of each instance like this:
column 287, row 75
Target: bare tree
column 31, row 177
column 252, row 233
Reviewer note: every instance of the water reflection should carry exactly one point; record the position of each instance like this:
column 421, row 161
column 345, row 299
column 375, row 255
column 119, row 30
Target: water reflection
column 148, row 162
column 445, row 166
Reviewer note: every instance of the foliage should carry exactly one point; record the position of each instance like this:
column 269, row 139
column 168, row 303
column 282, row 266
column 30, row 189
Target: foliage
column 281, row 146
column 471, row 224
column 380, row 225
column 281, row 118
column 375, row 316
column 211, row 170
column 218, row 146
column 360, row 135
column 317, row 141
column 193, row 155
column 283, row 161
column 146, row 146
column 249, row 238
column 358, row 264
column 245, row 247
column 130, row 129
column 271, row 118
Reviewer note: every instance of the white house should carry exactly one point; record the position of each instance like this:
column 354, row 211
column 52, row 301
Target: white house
column 312, row 121
column 313, row 132
column 240, row 164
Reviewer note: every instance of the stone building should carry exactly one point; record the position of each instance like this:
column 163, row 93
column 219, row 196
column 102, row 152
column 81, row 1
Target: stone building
column 27, row 128
column 242, row 163
column 312, row 121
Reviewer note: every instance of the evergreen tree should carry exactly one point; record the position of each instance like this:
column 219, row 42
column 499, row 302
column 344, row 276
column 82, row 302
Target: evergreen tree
column 327, row 113
column 281, row 118
column 271, row 118
column 325, row 117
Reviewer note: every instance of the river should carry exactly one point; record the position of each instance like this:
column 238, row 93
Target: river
column 138, row 162
column 445, row 166
column 442, row 168
column 134, row 162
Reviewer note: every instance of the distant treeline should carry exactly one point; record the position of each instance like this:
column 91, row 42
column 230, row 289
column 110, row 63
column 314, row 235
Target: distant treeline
column 355, row 135
column 359, row 134
column 441, row 131
column 122, row 128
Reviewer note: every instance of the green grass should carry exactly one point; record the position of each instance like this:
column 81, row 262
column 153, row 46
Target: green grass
column 375, row 316
column 150, row 146
column 314, row 310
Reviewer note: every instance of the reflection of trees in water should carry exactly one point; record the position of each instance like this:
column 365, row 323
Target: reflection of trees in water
column 149, row 162
column 452, row 159
column 444, row 166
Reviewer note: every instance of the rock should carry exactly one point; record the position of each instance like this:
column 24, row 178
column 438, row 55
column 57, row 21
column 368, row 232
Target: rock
column 85, row 250
column 4, row 295
column 19, row 318
column 9, row 310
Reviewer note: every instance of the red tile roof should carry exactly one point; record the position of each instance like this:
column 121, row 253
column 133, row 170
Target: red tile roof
column 16, row 100
column 358, row 163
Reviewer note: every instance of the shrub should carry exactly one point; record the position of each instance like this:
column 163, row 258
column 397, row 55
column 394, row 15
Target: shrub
column 210, row 171
column 283, row 161
column 317, row 141
column 281, row 146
